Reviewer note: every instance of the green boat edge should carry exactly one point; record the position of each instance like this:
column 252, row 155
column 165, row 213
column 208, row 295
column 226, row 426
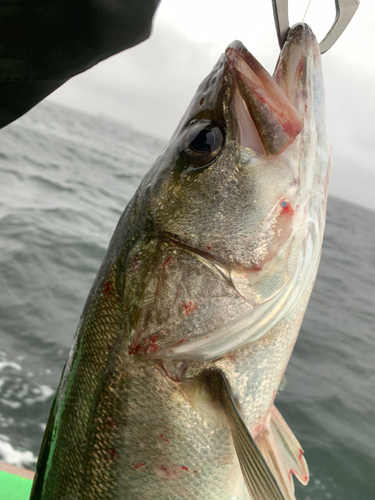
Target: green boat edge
column 15, row 482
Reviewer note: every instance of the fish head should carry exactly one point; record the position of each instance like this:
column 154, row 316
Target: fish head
column 241, row 189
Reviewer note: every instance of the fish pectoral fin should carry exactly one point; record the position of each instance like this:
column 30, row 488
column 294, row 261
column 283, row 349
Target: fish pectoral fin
column 282, row 452
column 257, row 475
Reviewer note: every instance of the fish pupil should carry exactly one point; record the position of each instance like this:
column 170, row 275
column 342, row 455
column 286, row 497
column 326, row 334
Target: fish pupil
column 203, row 141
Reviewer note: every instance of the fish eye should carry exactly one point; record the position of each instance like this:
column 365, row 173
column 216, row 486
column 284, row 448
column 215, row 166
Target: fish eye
column 203, row 142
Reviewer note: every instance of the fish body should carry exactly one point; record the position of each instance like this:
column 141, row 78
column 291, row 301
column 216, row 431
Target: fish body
column 209, row 271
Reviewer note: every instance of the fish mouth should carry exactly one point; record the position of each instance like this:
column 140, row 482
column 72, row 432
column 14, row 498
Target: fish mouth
column 267, row 109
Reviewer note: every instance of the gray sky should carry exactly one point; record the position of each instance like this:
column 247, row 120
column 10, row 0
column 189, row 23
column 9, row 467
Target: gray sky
column 150, row 86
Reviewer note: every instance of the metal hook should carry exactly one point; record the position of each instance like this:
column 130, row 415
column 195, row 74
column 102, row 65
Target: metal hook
column 345, row 10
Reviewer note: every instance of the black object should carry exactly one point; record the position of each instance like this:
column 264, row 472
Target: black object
column 43, row 43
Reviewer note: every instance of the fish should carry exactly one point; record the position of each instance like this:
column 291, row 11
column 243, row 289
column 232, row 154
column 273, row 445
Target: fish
column 169, row 388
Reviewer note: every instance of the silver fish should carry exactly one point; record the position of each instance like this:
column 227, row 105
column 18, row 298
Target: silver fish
column 169, row 389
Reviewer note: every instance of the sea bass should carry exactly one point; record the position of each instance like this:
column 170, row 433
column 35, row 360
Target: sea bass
column 169, row 390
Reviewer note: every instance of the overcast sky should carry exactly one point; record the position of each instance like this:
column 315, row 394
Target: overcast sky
column 150, row 86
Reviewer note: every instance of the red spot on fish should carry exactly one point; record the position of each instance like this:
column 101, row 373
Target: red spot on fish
column 163, row 468
column 137, row 264
column 164, row 438
column 208, row 247
column 195, row 471
column 149, row 347
column 257, row 429
column 300, row 454
column 184, row 468
column 181, row 341
column 231, row 357
column 286, row 208
column 111, row 422
column 152, row 347
column 166, row 262
column 109, row 347
column 113, row 454
column 107, row 288
column 137, row 465
column 189, row 307
column 133, row 349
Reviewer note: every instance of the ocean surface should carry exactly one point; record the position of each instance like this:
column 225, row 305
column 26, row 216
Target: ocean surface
column 65, row 178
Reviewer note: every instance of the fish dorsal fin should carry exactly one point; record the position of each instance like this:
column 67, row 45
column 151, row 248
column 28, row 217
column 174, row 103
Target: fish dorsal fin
column 258, row 477
column 282, row 452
